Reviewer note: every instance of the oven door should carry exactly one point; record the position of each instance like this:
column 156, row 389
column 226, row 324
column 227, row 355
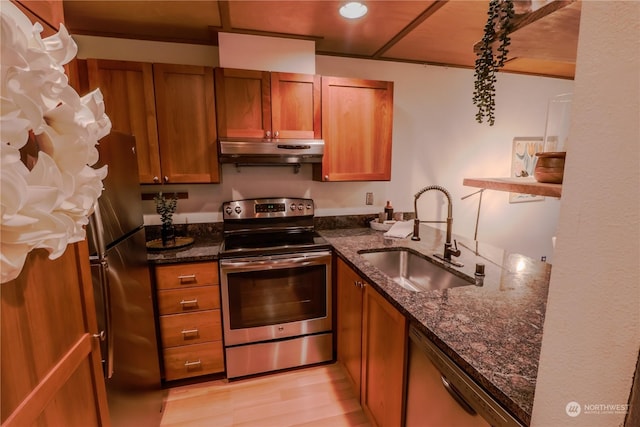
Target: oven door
column 272, row 297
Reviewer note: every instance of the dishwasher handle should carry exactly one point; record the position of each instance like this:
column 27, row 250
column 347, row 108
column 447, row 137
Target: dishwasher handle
column 456, row 396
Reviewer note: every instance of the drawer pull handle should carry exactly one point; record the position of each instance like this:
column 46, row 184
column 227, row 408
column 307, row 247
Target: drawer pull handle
column 187, row 277
column 193, row 331
column 189, row 302
column 188, row 364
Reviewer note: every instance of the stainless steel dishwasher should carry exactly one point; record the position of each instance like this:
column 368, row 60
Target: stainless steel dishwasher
column 440, row 394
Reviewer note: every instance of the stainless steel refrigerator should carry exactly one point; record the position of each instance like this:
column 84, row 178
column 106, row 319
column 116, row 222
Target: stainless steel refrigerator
column 123, row 292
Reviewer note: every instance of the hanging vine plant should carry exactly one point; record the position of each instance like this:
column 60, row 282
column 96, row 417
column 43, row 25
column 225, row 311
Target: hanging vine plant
column 487, row 63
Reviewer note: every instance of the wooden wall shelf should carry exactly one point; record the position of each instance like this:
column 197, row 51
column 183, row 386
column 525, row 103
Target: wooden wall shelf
column 516, row 185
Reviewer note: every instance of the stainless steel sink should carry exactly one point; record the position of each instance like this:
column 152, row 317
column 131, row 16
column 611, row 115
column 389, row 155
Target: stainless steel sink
column 414, row 272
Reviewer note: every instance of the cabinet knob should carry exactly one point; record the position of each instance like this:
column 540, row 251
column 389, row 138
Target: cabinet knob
column 156, row 179
column 166, row 178
column 276, row 134
column 326, row 177
column 267, row 134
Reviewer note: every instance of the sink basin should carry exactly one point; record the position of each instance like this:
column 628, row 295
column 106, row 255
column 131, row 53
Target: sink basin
column 412, row 271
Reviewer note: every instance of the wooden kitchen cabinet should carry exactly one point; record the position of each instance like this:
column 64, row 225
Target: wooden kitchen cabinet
column 262, row 104
column 185, row 107
column 357, row 124
column 190, row 321
column 384, row 349
column 129, row 100
column 170, row 109
column 349, row 311
column 372, row 345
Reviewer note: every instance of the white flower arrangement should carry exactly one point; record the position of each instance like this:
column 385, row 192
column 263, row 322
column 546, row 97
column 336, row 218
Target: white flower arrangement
column 47, row 204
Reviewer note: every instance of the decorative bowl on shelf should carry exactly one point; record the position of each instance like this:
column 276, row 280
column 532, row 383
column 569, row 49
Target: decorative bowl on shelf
column 550, row 167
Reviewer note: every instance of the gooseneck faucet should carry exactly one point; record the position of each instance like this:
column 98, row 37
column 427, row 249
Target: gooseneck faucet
column 448, row 247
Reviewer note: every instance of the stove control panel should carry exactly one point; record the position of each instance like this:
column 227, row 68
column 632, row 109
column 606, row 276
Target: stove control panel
column 267, row 208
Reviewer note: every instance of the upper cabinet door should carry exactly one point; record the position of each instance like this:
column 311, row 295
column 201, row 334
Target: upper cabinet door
column 243, row 99
column 296, row 106
column 186, row 123
column 357, row 122
column 260, row 104
column 129, row 101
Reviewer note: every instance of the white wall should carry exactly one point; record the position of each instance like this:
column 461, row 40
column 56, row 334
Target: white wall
column 435, row 141
column 592, row 325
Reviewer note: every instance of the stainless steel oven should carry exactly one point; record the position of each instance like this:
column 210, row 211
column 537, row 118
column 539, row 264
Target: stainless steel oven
column 275, row 275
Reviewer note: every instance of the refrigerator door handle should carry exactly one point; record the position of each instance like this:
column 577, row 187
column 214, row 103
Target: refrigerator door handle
column 106, row 334
column 97, row 232
column 100, row 262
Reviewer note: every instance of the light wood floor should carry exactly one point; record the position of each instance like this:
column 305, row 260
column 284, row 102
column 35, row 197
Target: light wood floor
column 319, row 396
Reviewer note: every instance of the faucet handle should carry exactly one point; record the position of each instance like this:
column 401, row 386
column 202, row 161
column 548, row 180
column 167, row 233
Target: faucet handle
column 456, row 251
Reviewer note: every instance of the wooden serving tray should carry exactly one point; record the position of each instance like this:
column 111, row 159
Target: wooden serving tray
column 181, row 242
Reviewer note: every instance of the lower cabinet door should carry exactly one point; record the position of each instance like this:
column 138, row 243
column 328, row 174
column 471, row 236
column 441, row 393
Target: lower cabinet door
column 349, row 323
column 193, row 360
column 384, row 342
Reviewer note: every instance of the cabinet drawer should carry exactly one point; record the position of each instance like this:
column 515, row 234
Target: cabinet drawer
column 187, row 300
column 193, row 360
column 187, row 275
column 190, row 328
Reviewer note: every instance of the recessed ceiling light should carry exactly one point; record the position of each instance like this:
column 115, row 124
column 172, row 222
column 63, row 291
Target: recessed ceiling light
column 353, row 10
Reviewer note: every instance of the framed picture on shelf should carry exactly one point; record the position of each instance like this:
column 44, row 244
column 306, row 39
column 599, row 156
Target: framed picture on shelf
column 523, row 162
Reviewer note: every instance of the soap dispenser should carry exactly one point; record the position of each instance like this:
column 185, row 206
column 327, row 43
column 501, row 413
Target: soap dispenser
column 388, row 210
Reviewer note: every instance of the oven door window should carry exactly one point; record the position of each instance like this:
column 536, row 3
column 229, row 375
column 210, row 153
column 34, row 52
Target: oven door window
column 271, row 297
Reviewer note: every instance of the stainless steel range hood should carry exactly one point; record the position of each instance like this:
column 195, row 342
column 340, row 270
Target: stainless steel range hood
column 247, row 151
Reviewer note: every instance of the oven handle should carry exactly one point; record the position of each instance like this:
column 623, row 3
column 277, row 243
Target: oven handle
column 273, row 262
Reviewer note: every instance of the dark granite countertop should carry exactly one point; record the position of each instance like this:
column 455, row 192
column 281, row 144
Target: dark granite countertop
column 493, row 332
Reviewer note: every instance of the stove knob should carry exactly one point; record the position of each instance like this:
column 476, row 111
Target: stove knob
column 238, row 209
column 300, row 207
column 309, row 206
column 292, row 207
column 228, row 210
